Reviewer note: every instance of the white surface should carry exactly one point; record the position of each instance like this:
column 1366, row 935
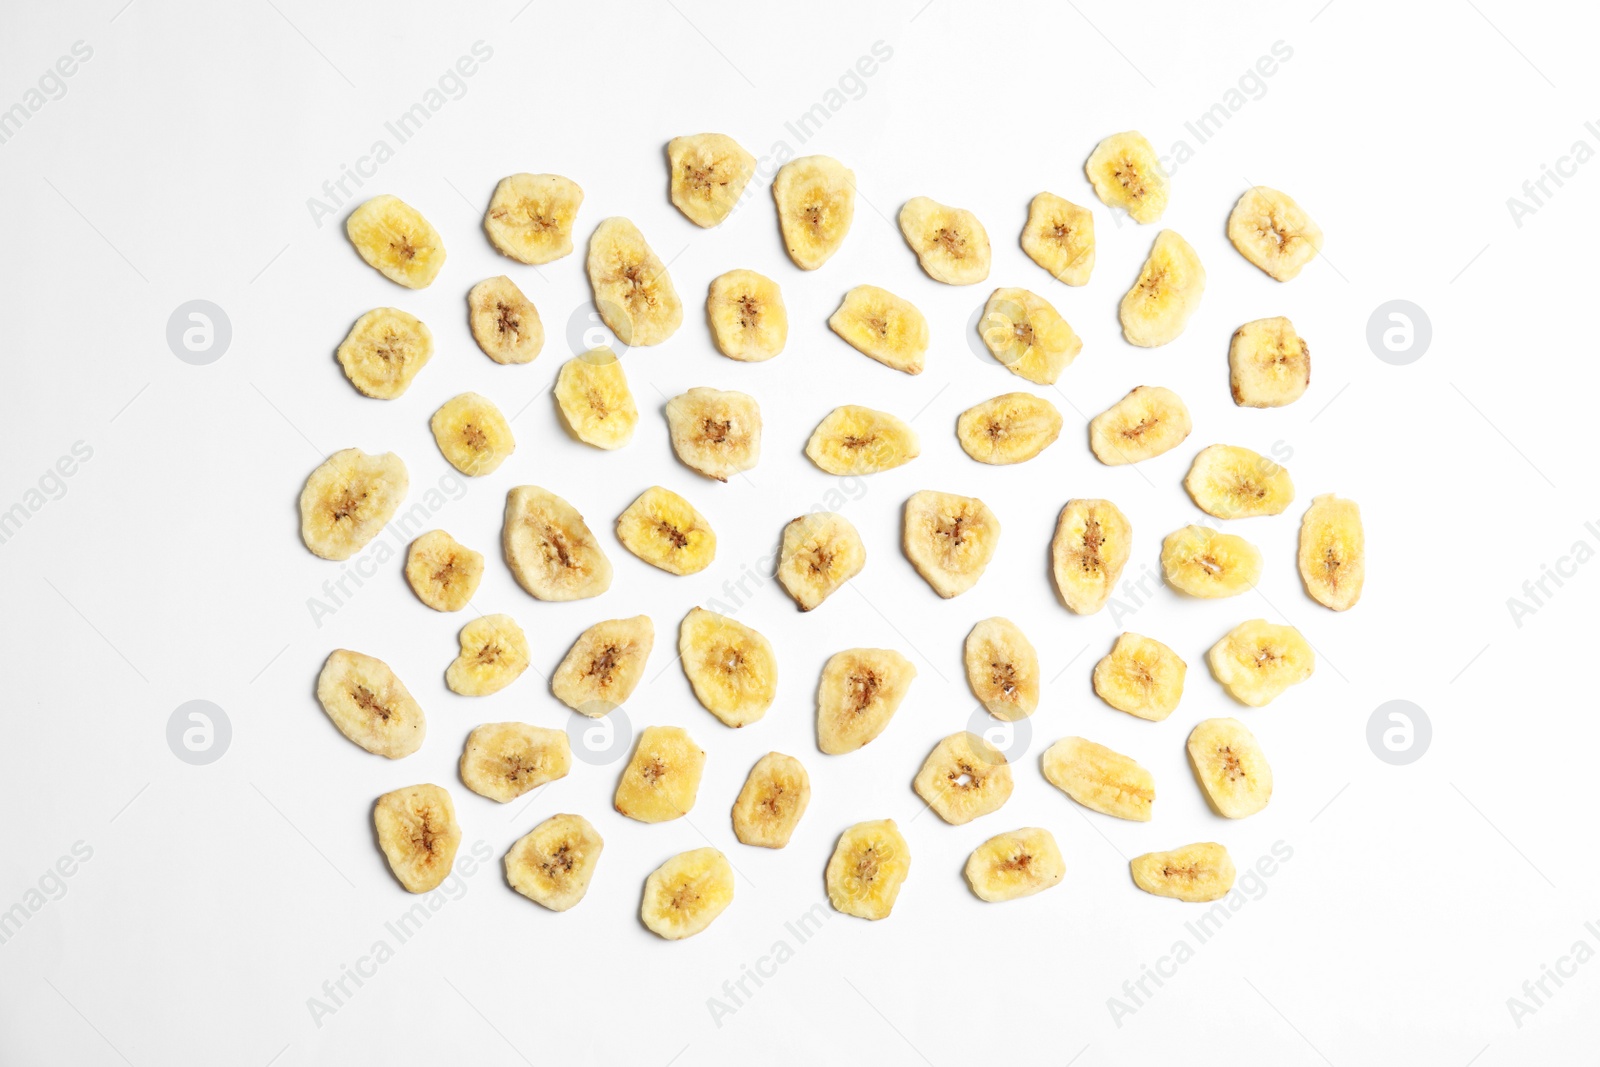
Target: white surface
column 221, row 898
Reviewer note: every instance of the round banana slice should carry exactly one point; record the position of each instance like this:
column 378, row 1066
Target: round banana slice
column 530, row 216
column 772, row 801
column 370, row 705
column 595, row 399
column 550, row 550
column 867, row 869
column 665, row 530
column 709, row 173
column 816, row 199
column 949, row 539
column 661, row 781
column 748, row 320
column 504, row 760
column 1230, row 482
column 1203, row 563
column 1167, row 291
column 1100, row 779
column 383, row 351
column 603, row 667
column 504, row 322
column 1230, row 767
column 1126, row 173
column 1333, row 552
column 1091, row 546
column 860, row 690
column 553, row 863
column 732, row 668
column 1148, row 421
column 1003, row 669
column 715, row 432
column 858, row 440
column 685, row 894
column 950, row 243
column 396, row 241
column 1028, row 336
column 1141, row 676
column 885, row 327
column 419, row 835
column 964, row 777
column 1269, row 365
column 1010, row 428
column 1059, row 236
column 443, row 572
column 820, row 552
column 348, row 500
column 472, row 434
column 1257, row 660
column 1195, row 873
column 494, row 653
column 1273, row 232
column 632, row 290
column 1018, row 863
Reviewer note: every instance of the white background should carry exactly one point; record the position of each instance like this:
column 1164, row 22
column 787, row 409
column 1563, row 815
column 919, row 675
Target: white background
column 219, row 898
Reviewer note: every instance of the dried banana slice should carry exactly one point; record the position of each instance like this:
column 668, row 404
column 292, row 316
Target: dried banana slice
column 505, row 323
column 685, row 894
column 820, row 552
column 530, row 216
column 715, row 432
column 632, row 290
column 383, row 351
column 1333, row 552
column 949, row 539
column 1003, row 669
column 396, row 241
column 553, row 863
column 1269, row 365
column 348, row 500
column 665, row 530
column 595, row 399
column 732, row 668
column 1018, row 863
column 1100, row 779
column 774, row 797
column 1167, row 292
column 1230, row 482
column 886, row 327
column 1091, row 546
column 1273, row 232
column 748, row 320
column 1258, row 660
column 660, row 782
column 1059, row 236
column 549, row 549
column 443, row 572
column 860, row 690
column 964, row 777
column 604, row 665
column 709, row 173
column 1230, row 767
column 816, row 198
column 1028, row 336
column 1010, row 428
column 1195, row 873
column 1127, row 174
column 370, row 705
column 1148, row 421
column 950, row 243
column 472, row 434
column 504, row 760
column 867, row 869
column 1141, row 676
column 494, row 653
column 1201, row 562
column 858, row 440
column 419, row 835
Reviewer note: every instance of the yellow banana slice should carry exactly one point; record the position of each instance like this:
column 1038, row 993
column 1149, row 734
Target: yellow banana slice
column 816, row 198
column 419, row 835
column 1059, row 236
column 370, row 705
column 530, row 216
column 1092, row 543
column 494, row 653
column 505, row 323
column 665, row 530
column 660, row 782
column 774, row 797
column 950, row 243
column 1017, row 863
column 1230, row 767
column 443, row 572
column 348, row 500
column 858, row 440
column 604, row 665
column 1273, row 232
column 504, row 760
column 1148, row 421
column 964, row 777
column 885, row 327
column 474, row 437
column 1231, row 482
column 383, row 351
column 867, row 869
column 1028, row 336
column 632, row 290
column 1269, row 365
column 595, row 399
column 685, row 894
column 1204, row 563
column 709, row 173
column 1141, row 676
column 1195, row 873
column 1003, row 669
column 949, row 539
column 715, row 432
column 549, row 549
column 748, row 320
column 820, row 552
column 860, row 690
column 1100, row 779
column 1333, row 552
column 1168, row 290
column 1126, row 173
column 1010, row 428
column 1257, row 660
column 396, row 241
column 732, row 668
column 553, row 863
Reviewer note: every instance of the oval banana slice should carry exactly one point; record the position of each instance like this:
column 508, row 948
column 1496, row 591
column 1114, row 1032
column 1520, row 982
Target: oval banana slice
column 530, row 216
column 867, row 869
column 494, row 653
column 1059, row 236
column 1269, row 365
column 709, row 173
column 348, row 500
column 964, row 777
column 549, row 549
column 604, row 665
column 474, row 437
column 632, row 290
column 1273, row 232
column 748, row 320
column 685, row 894
column 1148, row 421
column 504, row 322
column 1230, row 482
column 950, row 243
column 1167, row 291
column 419, row 835
column 661, row 780
column 885, row 327
column 1141, row 676
column 1202, row 562
column 1195, row 873
column 1091, row 546
column 1018, row 863
column 665, row 530
column 1100, row 779
column 1003, row 669
column 370, row 705
column 860, row 690
column 1333, row 552
column 772, row 801
column 1010, row 428
column 820, row 552
column 816, row 199
column 716, row 432
column 594, row 397
column 383, row 351
column 858, row 440
column 949, row 539
column 396, row 241
column 732, row 668
column 1230, row 767
column 1126, row 173
column 1257, row 660
column 504, row 760
column 443, row 572
column 553, row 863
column 1028, row 336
